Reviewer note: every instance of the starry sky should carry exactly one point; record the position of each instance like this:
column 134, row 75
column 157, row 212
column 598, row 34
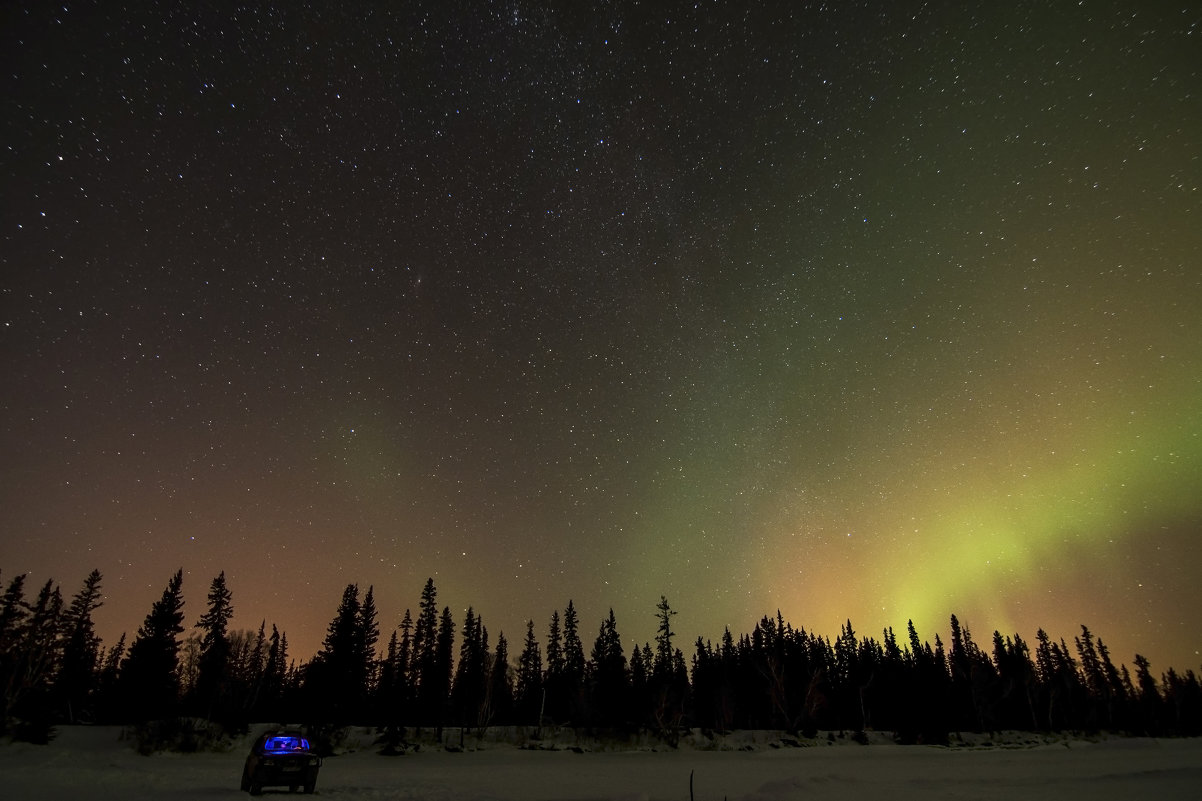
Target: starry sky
column 867, row 311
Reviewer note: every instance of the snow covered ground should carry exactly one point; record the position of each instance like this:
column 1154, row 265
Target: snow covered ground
column 94, row 764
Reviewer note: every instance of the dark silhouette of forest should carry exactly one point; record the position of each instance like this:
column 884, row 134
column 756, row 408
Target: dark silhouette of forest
column 434, row 672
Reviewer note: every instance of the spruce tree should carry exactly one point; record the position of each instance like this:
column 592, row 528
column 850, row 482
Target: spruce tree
column 13, row 613
column 387, row 697
column 386, row 683
column 78, row 675
column 251, row 674
column 663, row 639
column 499, row 704
column 27, row 691
column 573, row 666
column 1091, row 663
column 1116, row 700
column 149, row 674
column 403, row 697
column 470, row 686
column 1148, row 700
column 460, row 685
column 365, row 664
column 108, row 698
column 1182, row 702
column 274, row 669
column 704, row 684
column 529, row 689
column 554, row 647
column 553, row 681
column 444, row 661
column 425, row 665
column 971, row 673
column 212, row 673
column 335, row 674
column 573, row 647
column 610, row 682
column 642, row 701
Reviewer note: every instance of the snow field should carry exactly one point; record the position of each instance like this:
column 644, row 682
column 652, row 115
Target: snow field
column 94, row 764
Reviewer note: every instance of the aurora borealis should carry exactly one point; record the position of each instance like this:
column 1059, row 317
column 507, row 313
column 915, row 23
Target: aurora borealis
column 856, row 311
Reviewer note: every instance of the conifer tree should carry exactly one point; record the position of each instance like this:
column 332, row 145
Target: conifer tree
column 388, row 691
column 1044, row 662
column 403, row 697
column 573, row 666
column 470, row 686
column 26, row 693
column 667, row 687
column 335, row 674
column 705, row 684
column 1115, row 699
column 971, row 674
column 274, row 670
column 367, row 634
column 444, row 660
column 728, row 669
column 610, row 682
column 1182, row 702
column 553, row 681
column 13, row 609
column 213, row 665
column 573, row 647
column 1148, row 699
column 529, row 681
column 1060, row 683
column 259, row 651
column 149, row 674
column 641, row 699
column 499, row 704
column 243, row 677
column 13, row 613
column 78, row 674
column 1014, row 703
column 386, row 683
column 251, row 673
column 108, row 697
column 1091, row 663
column 554, row 647
column 663, row 639
column 425, row 665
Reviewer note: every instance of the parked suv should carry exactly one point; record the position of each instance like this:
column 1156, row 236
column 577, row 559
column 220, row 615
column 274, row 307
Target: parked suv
column 280, row 758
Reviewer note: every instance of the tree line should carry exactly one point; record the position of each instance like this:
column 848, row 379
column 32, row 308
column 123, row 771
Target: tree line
column 432, row 673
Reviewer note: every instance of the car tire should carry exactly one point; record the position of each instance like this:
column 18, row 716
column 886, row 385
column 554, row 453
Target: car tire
column 256, row 789
column 309, row 788
column 245, row 782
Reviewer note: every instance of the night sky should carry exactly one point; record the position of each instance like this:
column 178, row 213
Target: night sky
column 852, row 310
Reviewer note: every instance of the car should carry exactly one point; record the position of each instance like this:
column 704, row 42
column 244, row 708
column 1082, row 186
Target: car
column 281, row 759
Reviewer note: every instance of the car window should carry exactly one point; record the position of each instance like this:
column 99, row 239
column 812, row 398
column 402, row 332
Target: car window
column 285, row 744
